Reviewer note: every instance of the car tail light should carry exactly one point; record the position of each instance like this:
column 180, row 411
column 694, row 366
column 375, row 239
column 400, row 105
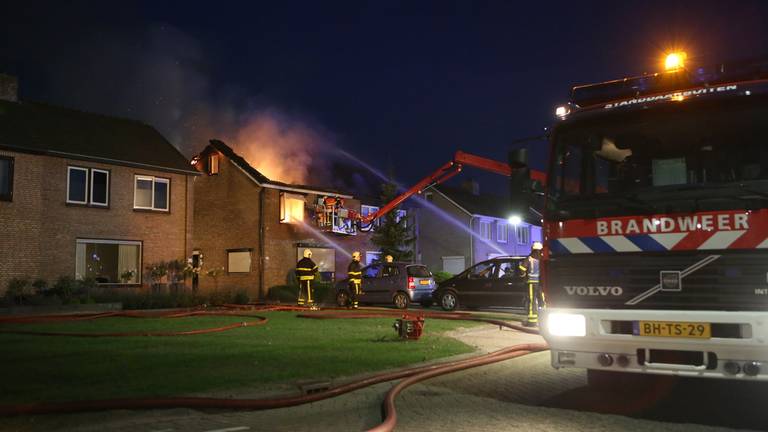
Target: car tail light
column 411, row 283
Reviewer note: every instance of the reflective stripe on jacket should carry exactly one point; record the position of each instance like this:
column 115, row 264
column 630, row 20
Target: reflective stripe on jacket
column 355, row 272
column 306, row 269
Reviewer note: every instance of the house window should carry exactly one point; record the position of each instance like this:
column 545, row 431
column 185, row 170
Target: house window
column 523, row 233
column 99, row 187
column 108, row 261
column 6, row 178
column 325, row 258
column 401, row 215
column 502, row 232
column 87, row 186
column 366, row 210
column 213, row 164
column 291, row 208
column 77, row 185
column 151, row 193
column 238, row 260
column 485, row 230
column 372, row 257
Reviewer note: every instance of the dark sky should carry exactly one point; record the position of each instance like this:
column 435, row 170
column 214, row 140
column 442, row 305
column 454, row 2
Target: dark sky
column 400, row 84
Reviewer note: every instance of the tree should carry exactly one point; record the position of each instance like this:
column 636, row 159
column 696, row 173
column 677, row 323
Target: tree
column 393, row 237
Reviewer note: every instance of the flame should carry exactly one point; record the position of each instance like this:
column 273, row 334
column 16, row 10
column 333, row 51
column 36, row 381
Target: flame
column 281, row 148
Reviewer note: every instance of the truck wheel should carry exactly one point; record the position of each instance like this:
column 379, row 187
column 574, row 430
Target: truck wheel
column 342, row 299
column 400, row 300
column 448, row 301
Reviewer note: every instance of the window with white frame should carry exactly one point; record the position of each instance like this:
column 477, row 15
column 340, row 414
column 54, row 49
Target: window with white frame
column 77, row 185
column 366, row 210
column 87, row 186
column 238, row 260
column 372, row 256
column 402, row 215
column 99, row 187
column 485, row 229
column 108, row 261
column 151, row 193
column 523, row 233
column 213, row 164
column 502, row 231
column 291, row 207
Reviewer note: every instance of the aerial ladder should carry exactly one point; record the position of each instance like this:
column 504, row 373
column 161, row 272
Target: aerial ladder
column 331, row 209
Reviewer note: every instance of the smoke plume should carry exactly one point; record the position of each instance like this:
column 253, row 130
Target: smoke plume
column 161, row 76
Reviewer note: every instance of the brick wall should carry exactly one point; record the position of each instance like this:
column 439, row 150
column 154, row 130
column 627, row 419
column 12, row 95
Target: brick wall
column 441, row 233
column 226, row 215
column 42, row 228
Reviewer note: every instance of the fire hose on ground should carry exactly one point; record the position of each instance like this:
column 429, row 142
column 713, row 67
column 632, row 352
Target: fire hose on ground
column 409, row 376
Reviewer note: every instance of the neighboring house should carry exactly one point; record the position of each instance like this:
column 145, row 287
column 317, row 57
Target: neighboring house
column 87, row 195
column 459, row 227
column 255, row 229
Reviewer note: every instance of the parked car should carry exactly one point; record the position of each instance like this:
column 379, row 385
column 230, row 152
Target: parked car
column 496, row 282
column 392, row 283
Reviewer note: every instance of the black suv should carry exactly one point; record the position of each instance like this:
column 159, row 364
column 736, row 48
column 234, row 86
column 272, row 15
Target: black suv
column 496, row 282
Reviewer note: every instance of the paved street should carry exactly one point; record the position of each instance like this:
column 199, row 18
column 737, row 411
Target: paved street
column 523, row 393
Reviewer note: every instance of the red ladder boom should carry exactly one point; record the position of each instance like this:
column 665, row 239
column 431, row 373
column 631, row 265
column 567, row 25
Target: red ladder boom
column 445, row 172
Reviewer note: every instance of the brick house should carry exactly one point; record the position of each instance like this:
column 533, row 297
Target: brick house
column 256, row 228
column 460, row 227
column 87, row 195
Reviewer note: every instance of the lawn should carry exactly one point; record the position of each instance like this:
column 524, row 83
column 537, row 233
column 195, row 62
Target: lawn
column 286, row 349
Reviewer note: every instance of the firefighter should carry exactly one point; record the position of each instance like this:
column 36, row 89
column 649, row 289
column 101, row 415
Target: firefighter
column 389, row 266
column 305, row 272
column 355, row 274
column 535, row 298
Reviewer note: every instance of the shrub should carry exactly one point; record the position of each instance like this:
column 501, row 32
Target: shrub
column 17, row 290
column 65, row 288
column 442, row 276
column 241, row 298
column 40, row 286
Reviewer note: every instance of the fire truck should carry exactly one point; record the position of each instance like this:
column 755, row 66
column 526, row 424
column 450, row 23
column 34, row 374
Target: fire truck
column 656, row 224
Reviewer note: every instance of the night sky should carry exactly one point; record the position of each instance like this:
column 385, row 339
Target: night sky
column 401, row 85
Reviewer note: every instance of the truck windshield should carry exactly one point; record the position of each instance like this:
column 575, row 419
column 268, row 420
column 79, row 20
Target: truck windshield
column 684, row 156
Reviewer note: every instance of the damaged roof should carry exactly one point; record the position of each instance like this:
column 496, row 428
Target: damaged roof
column 260, row 178
column 38, row 128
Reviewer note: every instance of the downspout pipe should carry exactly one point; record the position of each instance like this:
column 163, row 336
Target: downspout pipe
column 471, row 241
column 262, row 293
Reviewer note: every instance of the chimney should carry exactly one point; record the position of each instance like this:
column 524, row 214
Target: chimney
column 471, row 186
column 9, row 88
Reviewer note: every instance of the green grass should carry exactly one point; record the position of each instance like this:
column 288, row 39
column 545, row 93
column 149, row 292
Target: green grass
column 286, row 349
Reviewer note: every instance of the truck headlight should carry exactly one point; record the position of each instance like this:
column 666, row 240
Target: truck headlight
column 566, row 324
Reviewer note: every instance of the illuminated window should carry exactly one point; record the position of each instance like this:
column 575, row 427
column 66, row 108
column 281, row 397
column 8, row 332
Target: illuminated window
column 238, row 260
column 108, row 261
column 485, row 230
column 213, row 164
column 151, row 193
column 402, row 215
column 523, row 233
column 291, row 208
column 502, row 232
column 366, row 210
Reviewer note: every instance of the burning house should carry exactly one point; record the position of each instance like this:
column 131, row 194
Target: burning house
column 250, row 230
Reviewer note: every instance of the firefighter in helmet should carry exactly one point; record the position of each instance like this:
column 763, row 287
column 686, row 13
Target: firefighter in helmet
column 535, row 298
column 389, row 266
column 355, row 274
column 305, row 272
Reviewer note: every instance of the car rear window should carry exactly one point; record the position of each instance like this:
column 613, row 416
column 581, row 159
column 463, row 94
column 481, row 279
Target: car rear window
column 418, row 271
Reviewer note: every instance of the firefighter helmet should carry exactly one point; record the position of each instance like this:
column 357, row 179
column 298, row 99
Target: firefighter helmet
column 307, row 253
column 356, row 256
column 389, row 258
column 537, row 246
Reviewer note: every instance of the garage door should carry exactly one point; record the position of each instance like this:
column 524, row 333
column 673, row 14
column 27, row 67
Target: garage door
column 453, row 264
